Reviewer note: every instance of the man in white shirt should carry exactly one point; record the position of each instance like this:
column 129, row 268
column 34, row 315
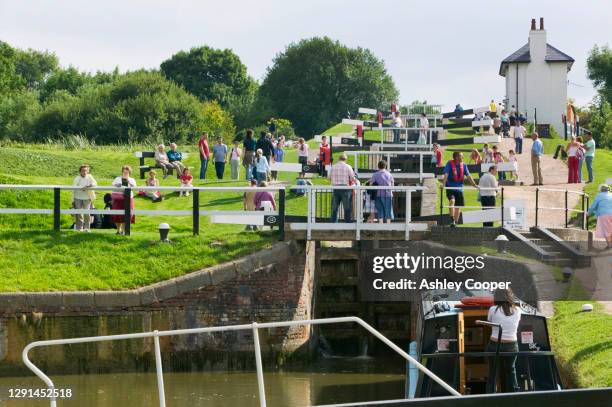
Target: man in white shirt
column 397, row 124
column 82, row 198
column 488, row 190
column 424, row 125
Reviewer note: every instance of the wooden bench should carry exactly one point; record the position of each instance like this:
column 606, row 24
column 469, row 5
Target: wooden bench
column 144, row 168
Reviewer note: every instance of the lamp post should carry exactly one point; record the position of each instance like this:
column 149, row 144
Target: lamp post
column 164, row 230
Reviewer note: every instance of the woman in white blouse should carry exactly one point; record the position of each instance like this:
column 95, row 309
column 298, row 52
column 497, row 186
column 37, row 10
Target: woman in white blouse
column 124, row 181
column 507, row 315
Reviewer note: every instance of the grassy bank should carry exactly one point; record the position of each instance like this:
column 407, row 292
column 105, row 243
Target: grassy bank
column 581, row 341
column 33, row 258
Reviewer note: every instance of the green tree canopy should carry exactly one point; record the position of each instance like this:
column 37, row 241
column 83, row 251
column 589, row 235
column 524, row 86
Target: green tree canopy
column 315, row 82
column 35, row 66
column 599, row 70
column 138, row 106
column 210, row 74
column 9, row 79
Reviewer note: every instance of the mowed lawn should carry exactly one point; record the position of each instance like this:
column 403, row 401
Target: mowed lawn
column 34, row 258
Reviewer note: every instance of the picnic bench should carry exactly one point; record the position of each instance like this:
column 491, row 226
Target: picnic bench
column 144, row 168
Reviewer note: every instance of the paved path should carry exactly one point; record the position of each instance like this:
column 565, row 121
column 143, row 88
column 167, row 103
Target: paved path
column 555, row 177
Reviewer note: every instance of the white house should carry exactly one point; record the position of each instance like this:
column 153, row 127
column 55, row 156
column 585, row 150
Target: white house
column 536, row 79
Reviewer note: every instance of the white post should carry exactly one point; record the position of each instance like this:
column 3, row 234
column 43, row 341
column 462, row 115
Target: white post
column 258, row 364
column 421, row 167
column 359, row 210
column 159, row 371
column 408, row 215
column 406, row 141
column 309, row 216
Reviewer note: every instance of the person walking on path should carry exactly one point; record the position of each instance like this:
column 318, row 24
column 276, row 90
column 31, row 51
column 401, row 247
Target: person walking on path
column 302, row 152
column 248, row 160
column 519, row 134
column 82, row 198
column 220, row 157
column 537, row 150
column 589, row 155
column 488, row 191
column 279, row 155
column 342, row 174
column 492, row 109
column 265, row 145
column 455, row 172
column 384, row 197
column 235, row 155
column 572, row 161
column 602, row 209
column 424, row 126
column 204, row 154
column 261, row 166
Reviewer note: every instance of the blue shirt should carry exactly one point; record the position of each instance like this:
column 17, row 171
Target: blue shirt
column 383, row 178
column 602, row 205
column 450, row 180
column 219, row 152
column 537, row 148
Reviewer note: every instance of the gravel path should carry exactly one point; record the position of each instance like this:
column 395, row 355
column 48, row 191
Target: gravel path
column 555, row 177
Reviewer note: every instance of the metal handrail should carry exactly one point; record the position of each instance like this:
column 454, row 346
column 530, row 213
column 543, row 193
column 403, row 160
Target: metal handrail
column 476, row 354
column 258, row 362
column 584, row 211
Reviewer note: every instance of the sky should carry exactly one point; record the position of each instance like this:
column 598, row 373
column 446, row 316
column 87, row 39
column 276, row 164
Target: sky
column 445, row 52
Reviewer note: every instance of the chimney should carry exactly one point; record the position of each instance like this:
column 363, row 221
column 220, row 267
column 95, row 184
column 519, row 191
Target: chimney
column 537, row 42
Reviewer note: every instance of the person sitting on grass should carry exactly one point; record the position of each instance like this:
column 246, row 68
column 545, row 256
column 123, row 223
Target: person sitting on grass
column 249, row 201
column 123, row 181
column 186, row 181
column 152, row 181
column 175, row 157
column 455, row 172
column 261, row 166
column 602, row 209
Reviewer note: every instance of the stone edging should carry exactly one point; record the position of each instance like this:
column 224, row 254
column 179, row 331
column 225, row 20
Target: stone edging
column 154, row 293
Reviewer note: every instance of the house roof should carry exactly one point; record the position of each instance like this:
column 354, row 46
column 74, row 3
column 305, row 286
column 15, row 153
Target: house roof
column 522, row 55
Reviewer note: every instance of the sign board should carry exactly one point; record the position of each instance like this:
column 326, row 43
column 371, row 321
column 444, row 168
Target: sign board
column 519, row 222
column 488, row 215
column 352, row 122
column 477, row 110
column 487, row 139
column 527, row 337
column 365, row 110
column 443, row 345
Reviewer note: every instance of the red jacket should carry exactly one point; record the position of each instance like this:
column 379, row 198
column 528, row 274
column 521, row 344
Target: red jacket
column 204, row 151
column 439, row 158
column 325, row 154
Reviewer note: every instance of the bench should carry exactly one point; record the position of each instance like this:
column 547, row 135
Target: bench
column 144, row 168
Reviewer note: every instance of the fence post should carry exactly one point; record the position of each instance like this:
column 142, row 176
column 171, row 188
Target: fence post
column 583, row 213
column 196, row 212
column 502, row 207
column 566, row 209
column 127, row 208
column 281, row 214
column 441, row 203
column 586, row 214
column 56, row 209
column 536, row 208
column 259, row 366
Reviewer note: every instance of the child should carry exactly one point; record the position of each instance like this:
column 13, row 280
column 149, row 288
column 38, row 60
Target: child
column 152, row 181
column 369, row 206
column 498, row 158
column 186, row 181
column 512, row 159
column 487, row 154
column 475, row 157
column 436, row 158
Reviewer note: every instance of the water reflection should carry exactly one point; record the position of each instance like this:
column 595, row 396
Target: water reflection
column 217, row 389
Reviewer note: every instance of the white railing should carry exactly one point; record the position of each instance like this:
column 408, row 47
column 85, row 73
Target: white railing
column 357, row 202
column 388, row 156
column 195, row 211
column 257, row 350
column 584, row 197
column 396, row 134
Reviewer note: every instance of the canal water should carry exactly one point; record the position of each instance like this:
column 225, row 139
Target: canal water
column 337, row 382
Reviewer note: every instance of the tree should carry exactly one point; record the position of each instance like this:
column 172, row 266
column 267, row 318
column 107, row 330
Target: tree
column 9, row 80
column 315, row 82
column 70, row 80
column 209, row 74
column 35, row 66
column 17, row 114
column 218, row 122
column 599, row 70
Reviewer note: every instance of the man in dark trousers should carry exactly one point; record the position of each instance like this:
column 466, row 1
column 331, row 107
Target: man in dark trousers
column 265, row 144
